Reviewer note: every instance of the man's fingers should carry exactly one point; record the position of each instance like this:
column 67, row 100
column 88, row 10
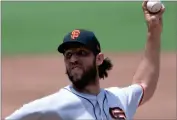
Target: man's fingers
column 161, row 14
column 152, row 19
column 144, row 5
column 145, row 10
column 162, row 10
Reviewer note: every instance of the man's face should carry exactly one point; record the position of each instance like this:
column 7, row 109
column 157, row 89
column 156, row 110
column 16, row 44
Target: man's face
column 80, row 66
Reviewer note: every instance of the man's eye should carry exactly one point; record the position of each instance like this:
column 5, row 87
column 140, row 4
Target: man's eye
column 83, row 53
column 68, row 54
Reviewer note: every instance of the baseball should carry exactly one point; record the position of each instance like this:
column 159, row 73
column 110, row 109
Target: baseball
column 154, row 6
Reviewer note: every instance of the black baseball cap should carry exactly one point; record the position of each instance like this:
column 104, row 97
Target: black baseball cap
column 80, row 37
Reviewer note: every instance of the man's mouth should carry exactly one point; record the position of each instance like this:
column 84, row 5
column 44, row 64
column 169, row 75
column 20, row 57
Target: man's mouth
column 75, row 67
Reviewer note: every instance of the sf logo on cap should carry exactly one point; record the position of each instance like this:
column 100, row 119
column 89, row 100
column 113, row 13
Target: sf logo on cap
column 75, row 34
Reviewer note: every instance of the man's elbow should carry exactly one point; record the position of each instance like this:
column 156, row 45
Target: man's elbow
column 149, row 92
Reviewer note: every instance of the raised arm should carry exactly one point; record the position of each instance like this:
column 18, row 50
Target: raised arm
column 147, row 73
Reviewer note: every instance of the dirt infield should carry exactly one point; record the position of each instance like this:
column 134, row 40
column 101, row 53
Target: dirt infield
column 31, row 77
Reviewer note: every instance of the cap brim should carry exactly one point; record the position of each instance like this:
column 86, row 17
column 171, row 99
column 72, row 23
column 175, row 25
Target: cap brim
column 67, row 45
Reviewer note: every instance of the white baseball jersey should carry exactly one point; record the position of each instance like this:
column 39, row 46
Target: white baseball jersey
column 68, row 104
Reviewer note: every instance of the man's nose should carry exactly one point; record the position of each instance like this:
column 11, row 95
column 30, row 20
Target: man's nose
column 74, row 58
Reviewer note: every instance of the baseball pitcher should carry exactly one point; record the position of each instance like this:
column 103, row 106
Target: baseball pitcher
column 85, row 67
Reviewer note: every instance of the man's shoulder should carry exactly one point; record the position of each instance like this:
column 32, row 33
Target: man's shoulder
column 50, row 104
column 40, row 104
column 114, row 89
column 123, row 89
column 34, row 109
column 126, row 92
column 51, row 101
column 118, row 92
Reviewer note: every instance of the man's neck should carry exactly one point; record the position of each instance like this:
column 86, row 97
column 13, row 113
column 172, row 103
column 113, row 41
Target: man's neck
column 93, row 89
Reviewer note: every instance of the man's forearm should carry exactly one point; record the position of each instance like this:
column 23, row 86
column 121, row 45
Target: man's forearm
column 151, row 58
column 149, row 67
column 148, row 71
column 152, row 48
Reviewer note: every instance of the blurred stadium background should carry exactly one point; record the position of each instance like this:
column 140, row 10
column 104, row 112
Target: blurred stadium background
column 32, row 31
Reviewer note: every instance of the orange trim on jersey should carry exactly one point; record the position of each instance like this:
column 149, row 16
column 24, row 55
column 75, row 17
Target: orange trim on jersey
column 142, row 95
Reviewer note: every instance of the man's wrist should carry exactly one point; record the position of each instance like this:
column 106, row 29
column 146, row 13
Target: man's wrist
column 154, row 33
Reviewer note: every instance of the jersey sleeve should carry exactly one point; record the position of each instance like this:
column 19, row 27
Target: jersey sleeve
column 130, row 97
column 24, row 113
column 134, row 95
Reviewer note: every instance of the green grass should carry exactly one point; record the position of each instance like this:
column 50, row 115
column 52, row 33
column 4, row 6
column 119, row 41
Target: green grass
column 39, row 27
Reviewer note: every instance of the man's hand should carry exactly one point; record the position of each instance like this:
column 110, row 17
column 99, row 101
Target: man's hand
column 154, row 21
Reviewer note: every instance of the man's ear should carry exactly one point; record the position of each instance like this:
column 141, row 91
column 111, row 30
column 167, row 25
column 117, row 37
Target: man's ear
column 99, row 59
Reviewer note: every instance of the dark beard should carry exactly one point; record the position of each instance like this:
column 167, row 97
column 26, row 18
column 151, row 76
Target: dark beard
column 88, row 77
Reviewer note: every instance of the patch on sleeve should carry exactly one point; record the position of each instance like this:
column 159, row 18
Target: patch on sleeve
column 117, row 113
